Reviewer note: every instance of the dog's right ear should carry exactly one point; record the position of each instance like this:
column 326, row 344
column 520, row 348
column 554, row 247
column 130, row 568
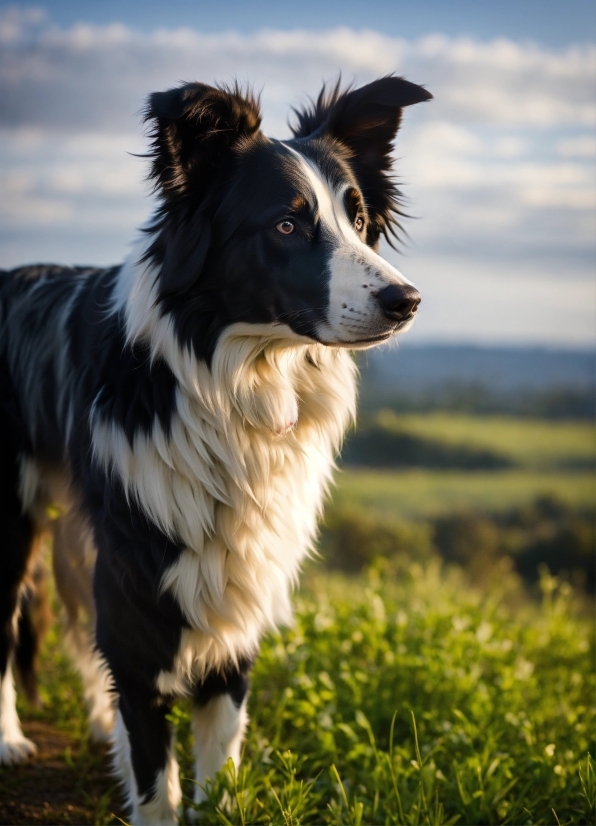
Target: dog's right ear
column 192, row 127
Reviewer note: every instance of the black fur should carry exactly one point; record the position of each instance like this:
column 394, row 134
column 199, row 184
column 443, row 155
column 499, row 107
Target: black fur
column 365, row 121
column 67, row 364
column 17, row 528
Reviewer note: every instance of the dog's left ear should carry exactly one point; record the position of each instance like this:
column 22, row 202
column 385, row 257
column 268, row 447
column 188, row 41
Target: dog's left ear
column 194, row 128
column 365, row 121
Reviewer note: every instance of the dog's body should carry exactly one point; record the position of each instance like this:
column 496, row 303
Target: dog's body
column 181, row 413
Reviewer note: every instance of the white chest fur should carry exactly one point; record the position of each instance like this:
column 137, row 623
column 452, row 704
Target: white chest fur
column 240, row 479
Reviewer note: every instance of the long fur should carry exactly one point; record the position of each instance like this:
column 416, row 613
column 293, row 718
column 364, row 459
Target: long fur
column 174, row 421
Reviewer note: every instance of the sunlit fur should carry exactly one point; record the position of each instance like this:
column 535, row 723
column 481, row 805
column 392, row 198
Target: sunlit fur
column 14, row 746
column 242, row 475
column 174, row 421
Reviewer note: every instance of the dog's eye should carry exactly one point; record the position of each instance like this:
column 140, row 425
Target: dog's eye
column 285, row 227
column 359, row 223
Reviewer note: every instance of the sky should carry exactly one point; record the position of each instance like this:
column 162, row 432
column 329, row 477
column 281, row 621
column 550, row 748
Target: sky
column 498, row 170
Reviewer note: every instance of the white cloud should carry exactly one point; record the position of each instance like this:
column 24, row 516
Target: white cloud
column 509, row 83
column 495, row 82
column 510, row 146
column 582, row 147
column 494, row 164
column 472, row 300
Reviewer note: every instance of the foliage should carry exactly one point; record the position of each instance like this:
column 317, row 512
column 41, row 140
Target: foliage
column 352, row 538
column 546, row 531
column 404, row 697
column 478, row 399
column 418, row 702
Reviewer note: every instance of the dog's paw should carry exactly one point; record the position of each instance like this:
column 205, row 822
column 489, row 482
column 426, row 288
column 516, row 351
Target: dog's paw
column 16, row 750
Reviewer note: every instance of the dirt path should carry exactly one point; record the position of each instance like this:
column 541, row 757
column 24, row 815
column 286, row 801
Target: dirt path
column 66, row 782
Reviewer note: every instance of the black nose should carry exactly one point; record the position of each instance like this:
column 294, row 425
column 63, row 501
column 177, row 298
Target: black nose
column 399, row 301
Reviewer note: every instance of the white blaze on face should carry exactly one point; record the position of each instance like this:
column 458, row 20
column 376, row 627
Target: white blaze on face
column 357, row 273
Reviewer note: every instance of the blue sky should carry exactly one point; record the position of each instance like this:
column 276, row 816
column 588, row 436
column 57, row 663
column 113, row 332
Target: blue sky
column 498, row 169
column 551, row 22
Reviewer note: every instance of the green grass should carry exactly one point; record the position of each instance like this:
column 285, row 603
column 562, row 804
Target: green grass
column 420, row 493
column 531, row 443
column 405, row 697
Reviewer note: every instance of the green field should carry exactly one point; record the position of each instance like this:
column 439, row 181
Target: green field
column 401, row 698
column 413, row 494
column 550, row 458
column 529, row 443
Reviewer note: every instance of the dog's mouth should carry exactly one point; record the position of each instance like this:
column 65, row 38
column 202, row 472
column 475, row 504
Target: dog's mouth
column 371, row 341
column 360, row 343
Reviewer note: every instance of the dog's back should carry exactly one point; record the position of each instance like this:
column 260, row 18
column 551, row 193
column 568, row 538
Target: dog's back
column 174, row 421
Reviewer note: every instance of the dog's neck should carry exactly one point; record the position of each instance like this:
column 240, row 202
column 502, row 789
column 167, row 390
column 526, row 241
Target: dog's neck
column 265, row 386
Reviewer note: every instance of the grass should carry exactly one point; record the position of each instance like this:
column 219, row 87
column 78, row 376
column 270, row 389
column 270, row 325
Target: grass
column 552, row 458
column 401, row 697
column 405, row 697
column 530, row 443
column 420, row 493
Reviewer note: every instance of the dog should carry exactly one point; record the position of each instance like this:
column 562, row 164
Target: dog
column 174, row 421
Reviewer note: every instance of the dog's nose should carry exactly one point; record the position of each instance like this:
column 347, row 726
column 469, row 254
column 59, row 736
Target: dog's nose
column 399, row 301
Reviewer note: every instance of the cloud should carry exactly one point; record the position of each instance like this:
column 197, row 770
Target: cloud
column 582, row 147
column 16, row 22
column 500, row 164
column 68, row 180
column 475, row 300
column 499, row 82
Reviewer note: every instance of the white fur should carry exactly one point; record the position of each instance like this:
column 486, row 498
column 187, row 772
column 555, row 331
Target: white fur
column 162, row 807
column 97, row 683
column 165, row 800
column 218, row 729
column 241, row 476
column 357, row 272
column 14, row 746
column 122, row 766
column 240, row 479
column 242, row 496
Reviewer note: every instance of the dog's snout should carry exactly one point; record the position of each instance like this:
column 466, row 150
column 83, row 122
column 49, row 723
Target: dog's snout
column 398, row 301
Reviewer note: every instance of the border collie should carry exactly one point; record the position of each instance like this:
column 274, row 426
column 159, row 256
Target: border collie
column 174, row 421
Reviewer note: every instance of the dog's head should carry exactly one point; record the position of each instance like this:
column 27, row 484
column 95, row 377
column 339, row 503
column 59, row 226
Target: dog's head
column 279, row 232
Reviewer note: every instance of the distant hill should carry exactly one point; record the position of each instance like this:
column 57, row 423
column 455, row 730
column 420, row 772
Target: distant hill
column 530, row 380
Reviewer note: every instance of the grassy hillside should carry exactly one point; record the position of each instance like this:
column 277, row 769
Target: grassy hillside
column 423, row 493
column 403, row 698
column 481, row 491
column 471, row 442
column 526, row 442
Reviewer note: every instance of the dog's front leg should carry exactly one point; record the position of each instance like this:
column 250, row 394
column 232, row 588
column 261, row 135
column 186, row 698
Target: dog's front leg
column 219, row 720
column 144, row 756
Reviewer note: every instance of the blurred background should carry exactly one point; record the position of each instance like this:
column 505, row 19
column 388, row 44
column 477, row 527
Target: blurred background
column 475, row 439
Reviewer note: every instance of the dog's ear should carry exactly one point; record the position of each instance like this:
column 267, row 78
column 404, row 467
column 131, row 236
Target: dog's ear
column 193, row 127
column 365, row 121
